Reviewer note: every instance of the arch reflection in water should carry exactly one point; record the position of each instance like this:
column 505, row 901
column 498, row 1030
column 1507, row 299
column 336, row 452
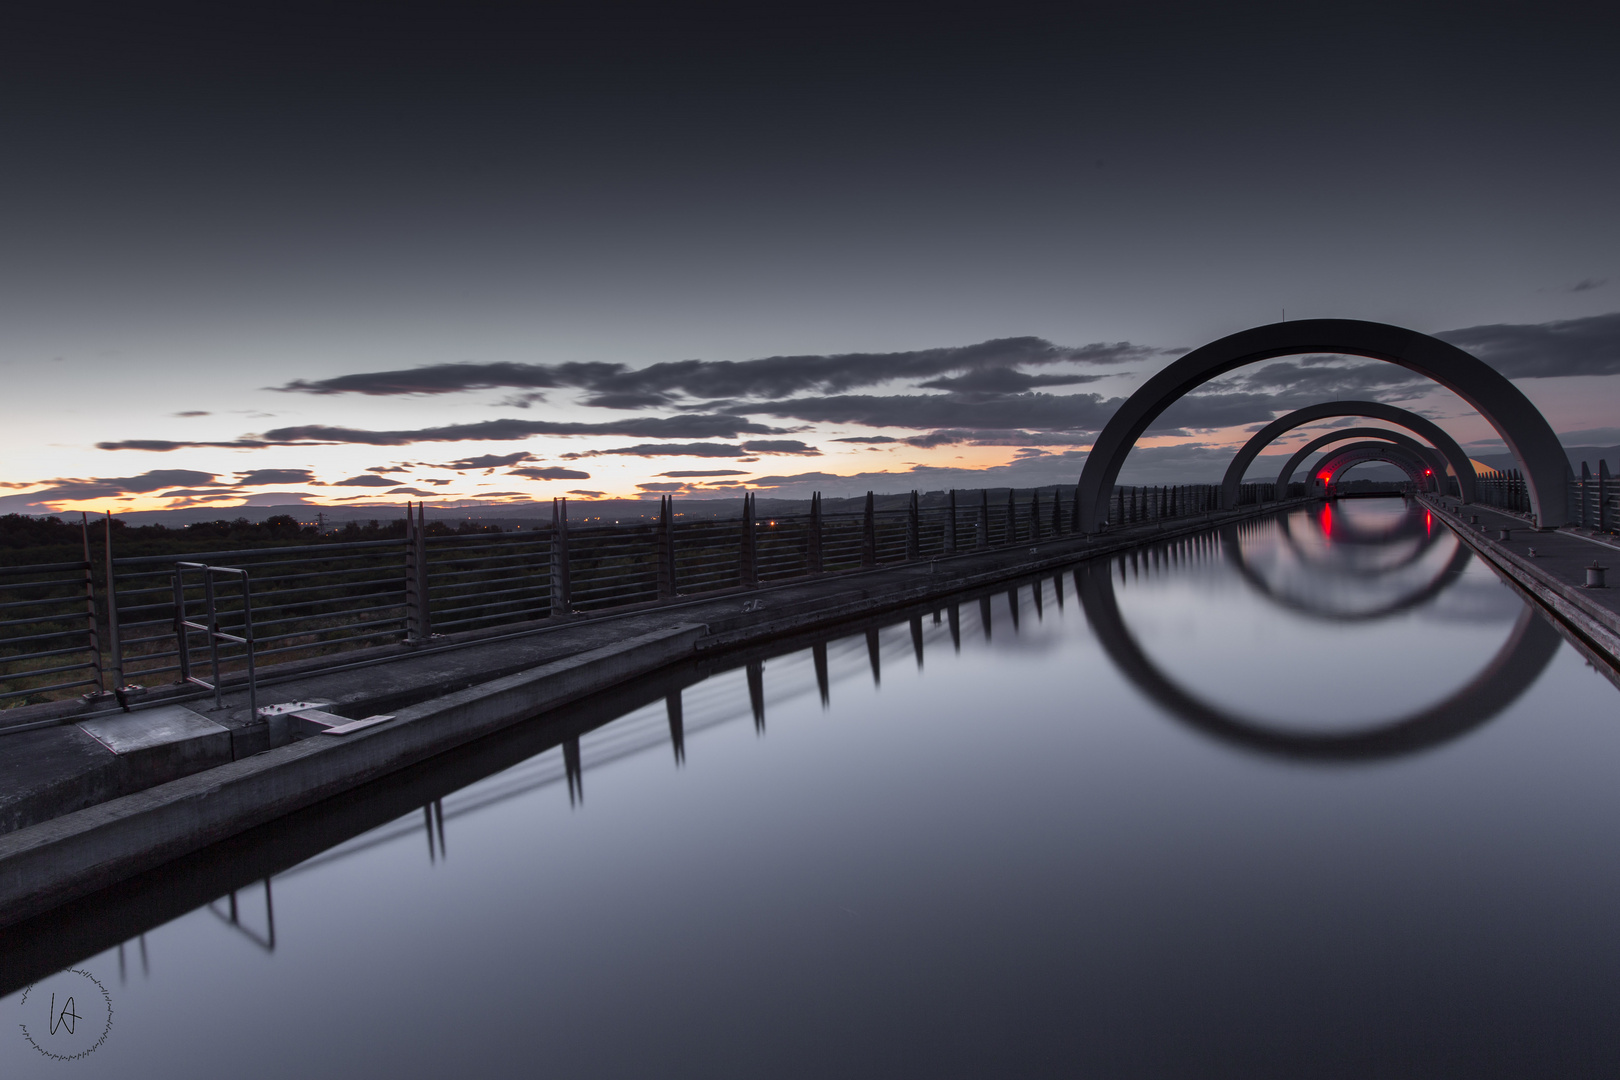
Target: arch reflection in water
column 1500, row 681
column 1416, row 531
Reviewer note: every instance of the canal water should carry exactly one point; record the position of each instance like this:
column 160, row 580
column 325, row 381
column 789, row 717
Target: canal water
column 1316, row 796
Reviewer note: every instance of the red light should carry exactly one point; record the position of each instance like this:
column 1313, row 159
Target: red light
column 1428, row 472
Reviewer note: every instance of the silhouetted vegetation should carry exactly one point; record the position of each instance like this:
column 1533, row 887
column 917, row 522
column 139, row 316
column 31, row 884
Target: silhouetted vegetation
column 25, row 539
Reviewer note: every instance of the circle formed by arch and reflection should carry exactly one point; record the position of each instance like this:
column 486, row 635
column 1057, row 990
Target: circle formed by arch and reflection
column 1438, row 463
column 1232, row 547
column 1419, row 425
column 1503, row 405
column 1528, row 650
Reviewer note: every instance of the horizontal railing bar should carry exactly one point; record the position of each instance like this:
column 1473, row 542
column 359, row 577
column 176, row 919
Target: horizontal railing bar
column 364, row 624
column 43, row 568
column 48, row 689
column 36, row 672
column 248, row 553
column 16, row 657
column 42, row 637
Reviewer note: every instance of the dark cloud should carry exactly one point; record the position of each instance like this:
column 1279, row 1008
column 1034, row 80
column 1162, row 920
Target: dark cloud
column 873, row 439
column 629, row 399
column 389, row 469
column 776, row 446
column 691, row 426
column 364, row 480
column 486, row 461
column 1602, row 436
column 1322, row 377
column 1589, row 346
column 662, row 487
column 453, row 378
column 105, row 487
column 620, row 386
column 262, row 477
column 412, row 491
column 1003, row 381
column 1069, row 412
column 704, row 472
column 532, row 473
column 587, row 494
column 193, row 412
column 1588, row 284
column 663, row 450
column 780, row 446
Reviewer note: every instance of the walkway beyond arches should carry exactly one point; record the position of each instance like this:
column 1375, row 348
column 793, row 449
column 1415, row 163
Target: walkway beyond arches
column 1504, row 406
column 1421, row 426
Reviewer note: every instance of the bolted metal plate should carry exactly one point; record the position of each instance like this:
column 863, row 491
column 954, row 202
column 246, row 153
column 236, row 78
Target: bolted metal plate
column 148, row 728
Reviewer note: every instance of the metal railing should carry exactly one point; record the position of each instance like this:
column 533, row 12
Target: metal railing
column 163, row 620
column 1594, row 501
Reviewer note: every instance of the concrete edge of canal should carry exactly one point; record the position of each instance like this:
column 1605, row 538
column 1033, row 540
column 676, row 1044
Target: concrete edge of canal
column 1548, row 566
column 84, row 850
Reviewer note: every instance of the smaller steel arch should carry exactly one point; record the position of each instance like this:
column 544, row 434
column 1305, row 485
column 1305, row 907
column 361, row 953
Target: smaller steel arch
column 1437, row 462
column 1419, row 425
column 1418, row 469
column 1345, row 457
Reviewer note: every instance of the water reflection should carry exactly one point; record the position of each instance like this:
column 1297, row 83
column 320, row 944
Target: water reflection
column 971, row 780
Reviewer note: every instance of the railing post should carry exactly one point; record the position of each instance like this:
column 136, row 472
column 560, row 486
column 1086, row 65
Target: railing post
column 1586, row 485
column 982, row 540
column 950, row 524
column 90, row 602
column 869, row 535
column 1009, row 535
column 112, row 614
column 1057, row 511
column 1035, row 514
column 665, row 542
column 1074, row 511
column 1603, row 495
column 418, row 625
column 913, row 528
column 813, row 542
column 562, row 592
column 749, row 552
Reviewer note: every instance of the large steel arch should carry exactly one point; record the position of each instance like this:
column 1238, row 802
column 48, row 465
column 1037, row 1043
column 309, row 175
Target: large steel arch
column 1516, row 420
column 1420, row 426
column 1286, row 476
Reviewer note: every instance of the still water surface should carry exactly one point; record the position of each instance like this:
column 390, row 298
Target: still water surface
column 1320, row 797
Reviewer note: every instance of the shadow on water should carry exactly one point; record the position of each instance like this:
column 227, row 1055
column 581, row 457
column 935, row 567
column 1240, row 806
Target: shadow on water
column 246, row 865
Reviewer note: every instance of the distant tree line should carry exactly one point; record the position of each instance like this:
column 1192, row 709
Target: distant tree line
column 26, row 539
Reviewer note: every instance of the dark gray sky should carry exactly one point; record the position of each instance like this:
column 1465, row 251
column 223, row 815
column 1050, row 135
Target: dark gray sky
column 200, row 204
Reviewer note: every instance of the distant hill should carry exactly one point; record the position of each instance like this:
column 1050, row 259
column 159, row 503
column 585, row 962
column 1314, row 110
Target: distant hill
column 1577, row 454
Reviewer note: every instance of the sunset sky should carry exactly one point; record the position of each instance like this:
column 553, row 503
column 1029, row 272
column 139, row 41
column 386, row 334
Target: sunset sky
column 269, row 255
